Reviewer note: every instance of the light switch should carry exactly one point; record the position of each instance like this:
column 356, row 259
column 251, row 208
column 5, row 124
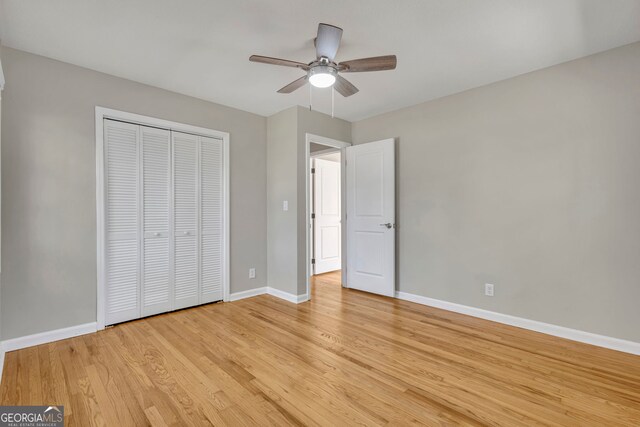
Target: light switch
column 285, row 205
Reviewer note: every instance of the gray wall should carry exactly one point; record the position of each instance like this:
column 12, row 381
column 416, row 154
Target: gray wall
column 530, row 184
column 282, row 185
column 48, row 186
column 286, row 139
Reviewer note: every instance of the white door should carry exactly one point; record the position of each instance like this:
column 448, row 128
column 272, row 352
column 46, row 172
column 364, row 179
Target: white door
column 211, row 190
column 156, row 187
column 185, row 208
column 327, row 230
column 164, row 200
column 122, row 261
column 371, row 217
column 198, row 203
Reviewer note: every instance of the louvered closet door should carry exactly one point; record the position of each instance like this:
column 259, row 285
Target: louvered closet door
column 156, row 278
column 186, row 224
column 121, row 147
column 211, row 219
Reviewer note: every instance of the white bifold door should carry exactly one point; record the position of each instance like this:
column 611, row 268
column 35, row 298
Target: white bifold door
column 371, row 217
column 163, row 217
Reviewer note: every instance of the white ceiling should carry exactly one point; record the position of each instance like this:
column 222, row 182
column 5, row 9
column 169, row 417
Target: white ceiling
column 201, row 47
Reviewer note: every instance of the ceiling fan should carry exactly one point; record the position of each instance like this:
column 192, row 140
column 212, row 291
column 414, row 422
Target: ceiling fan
column 324, row 71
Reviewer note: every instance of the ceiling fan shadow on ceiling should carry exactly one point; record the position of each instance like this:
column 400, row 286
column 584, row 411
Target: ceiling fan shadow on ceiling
column 324, row 71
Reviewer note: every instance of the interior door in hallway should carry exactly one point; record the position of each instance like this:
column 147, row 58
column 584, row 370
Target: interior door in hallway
column 327, row 227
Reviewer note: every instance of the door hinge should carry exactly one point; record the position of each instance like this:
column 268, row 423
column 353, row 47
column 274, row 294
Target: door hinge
column 313, row 261
column 313, row 170
column 313, row 216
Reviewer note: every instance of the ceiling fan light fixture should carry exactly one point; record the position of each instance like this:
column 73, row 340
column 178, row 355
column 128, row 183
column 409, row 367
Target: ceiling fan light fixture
column 322, row 76
column 324, row 71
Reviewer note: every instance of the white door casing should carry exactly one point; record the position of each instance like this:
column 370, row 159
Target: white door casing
column 370, row 198
column 327, row 227
column 341, row 145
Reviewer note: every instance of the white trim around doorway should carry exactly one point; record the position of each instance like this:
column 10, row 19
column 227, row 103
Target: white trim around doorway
column 342, row 146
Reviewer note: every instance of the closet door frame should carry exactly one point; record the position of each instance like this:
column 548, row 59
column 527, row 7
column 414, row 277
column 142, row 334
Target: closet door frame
column 101, row 114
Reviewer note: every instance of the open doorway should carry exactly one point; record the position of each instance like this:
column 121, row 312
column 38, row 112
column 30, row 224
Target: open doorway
column 367, row 198
column 325, row 206
column 326, row 256
column 326, row 240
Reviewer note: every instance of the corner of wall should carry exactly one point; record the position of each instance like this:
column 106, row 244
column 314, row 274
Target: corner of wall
column 281, row 186
column 286, row 168
column 1, row 73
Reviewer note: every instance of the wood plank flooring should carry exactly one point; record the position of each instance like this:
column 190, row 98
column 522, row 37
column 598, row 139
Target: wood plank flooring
column 345, row 358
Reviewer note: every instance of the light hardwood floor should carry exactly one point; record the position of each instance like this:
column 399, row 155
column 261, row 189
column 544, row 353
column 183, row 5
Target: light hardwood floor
column 345, row 358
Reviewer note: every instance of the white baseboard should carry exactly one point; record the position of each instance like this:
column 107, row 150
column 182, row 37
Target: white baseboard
column 296, row 299
column 49, row 336
column 533, row 325
column 248, row 294
column 302, row 298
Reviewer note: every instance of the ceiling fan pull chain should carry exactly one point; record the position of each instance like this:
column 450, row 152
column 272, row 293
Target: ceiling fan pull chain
column 310, row 90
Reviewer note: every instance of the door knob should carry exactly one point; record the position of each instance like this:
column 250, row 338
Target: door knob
column 388, row 225
column 156, row 234
column 186, row 233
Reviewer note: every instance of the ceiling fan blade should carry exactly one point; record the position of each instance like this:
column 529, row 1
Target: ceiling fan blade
column 278, row 61
column 296, row 84
column 377, row 63
column 344, row 86
column 328, row 41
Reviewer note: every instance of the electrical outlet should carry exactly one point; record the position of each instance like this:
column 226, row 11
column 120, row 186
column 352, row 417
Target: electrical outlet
column 488, row 289
column 285, row 205
column 252, row 273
